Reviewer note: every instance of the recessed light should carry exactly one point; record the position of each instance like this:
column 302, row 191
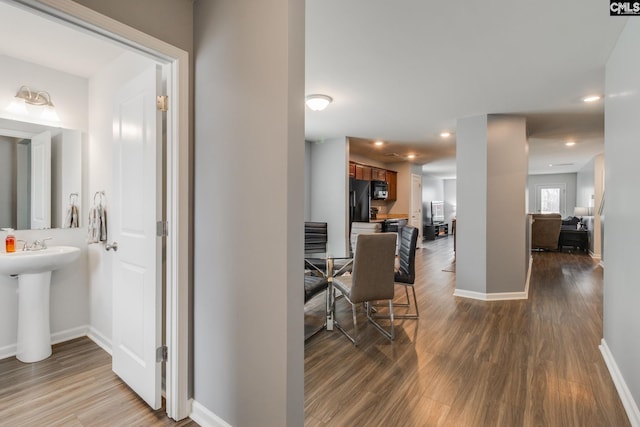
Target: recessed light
column 378, row 143
column 591, row 98
column 411, row 156
column 570, row 143
column 445, row 134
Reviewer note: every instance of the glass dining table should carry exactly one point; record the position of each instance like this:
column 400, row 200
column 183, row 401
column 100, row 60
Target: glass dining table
column 328, row 266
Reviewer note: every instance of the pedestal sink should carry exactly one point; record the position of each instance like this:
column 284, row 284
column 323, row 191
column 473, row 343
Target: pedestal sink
column 33, row 269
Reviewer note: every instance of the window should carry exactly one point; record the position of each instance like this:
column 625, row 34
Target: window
column 550, row 198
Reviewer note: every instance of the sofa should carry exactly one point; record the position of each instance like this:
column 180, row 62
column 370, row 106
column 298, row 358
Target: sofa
column 545, row 231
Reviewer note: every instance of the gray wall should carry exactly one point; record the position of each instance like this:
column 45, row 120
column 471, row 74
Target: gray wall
column 248, row 213
column 507, row 165
column 471, row 189
column 7, row 182
column 622, row 207
column 330, row 191
column 492, row 169
column 167, row 20
column 569, row 179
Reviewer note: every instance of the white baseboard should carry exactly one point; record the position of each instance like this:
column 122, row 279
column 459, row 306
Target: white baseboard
column 69, row 334
column 57, row 337
column 623, row 391
column 205, row 417
column 100, row 339
column 8, row 351
column 501, row 296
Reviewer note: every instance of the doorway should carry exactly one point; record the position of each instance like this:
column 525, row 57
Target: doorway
column 177, row 246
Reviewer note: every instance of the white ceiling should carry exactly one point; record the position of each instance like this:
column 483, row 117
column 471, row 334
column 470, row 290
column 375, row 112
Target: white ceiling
column 403, row 71
column 34, row 39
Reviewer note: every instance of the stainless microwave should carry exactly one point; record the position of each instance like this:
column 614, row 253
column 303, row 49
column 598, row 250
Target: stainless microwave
column 379, row 190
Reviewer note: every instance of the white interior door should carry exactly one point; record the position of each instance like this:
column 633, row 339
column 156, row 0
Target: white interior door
column 41, row 181
column 415, row 215
column 136, row 207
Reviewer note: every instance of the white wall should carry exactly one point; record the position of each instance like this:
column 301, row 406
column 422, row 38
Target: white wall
column 102, row 87
column 248, row 243
column 432, row 190
column 586, row 195
column 68, row 92
column 622, row 207
column 450, row 201
column 403, row 203
column 330, row 191
column 568, row 179
column 69, row 286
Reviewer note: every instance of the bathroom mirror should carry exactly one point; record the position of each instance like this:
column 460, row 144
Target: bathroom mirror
column 40, row 175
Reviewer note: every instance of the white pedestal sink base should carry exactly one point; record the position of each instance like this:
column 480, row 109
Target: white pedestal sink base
column 34, row 333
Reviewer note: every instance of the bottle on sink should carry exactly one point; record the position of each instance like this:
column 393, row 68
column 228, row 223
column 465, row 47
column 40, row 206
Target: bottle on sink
column 10, row 240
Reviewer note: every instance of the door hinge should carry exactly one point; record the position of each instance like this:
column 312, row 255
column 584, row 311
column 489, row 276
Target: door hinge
column 162, row 354
column 162, row 102
column 162, row 228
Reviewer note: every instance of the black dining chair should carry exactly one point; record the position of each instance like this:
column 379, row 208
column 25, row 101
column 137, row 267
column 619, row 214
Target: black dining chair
column 406, row 273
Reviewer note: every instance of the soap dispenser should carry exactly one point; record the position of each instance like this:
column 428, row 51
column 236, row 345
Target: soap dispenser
column 10, row 241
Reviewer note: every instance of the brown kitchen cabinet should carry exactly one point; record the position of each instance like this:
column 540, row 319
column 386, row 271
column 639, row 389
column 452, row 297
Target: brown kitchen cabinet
column 378, row 174
column 352, row 170
column 392, row 185
column 363, row 172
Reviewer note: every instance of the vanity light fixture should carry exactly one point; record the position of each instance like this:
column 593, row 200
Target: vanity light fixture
column 591, row 98
column 318, row 102
column 38, row 98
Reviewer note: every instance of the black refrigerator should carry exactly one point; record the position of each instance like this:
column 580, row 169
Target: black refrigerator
column 359, row 201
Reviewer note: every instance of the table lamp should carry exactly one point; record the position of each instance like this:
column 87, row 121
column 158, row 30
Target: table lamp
column 579, row 212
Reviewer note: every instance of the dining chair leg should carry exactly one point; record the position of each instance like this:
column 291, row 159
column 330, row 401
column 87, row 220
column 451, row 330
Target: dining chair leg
column 415, row 303
column 355, row 324
column 404, row 304
column 389, row 334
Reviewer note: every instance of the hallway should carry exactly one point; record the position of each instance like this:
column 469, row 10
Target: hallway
column 470, row 363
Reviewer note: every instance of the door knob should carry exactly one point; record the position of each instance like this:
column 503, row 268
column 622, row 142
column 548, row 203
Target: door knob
column 113, row 246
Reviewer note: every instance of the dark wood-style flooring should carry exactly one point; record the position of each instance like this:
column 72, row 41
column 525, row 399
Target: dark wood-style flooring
column 74, row 387
column 469, row 363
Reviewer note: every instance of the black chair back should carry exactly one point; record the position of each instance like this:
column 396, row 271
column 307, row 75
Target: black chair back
column 407, row 255
column 315, row 237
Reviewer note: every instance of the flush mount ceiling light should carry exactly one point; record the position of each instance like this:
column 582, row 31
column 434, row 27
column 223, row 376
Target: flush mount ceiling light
column 318, row 102
column 591, row 98
column 38, row 98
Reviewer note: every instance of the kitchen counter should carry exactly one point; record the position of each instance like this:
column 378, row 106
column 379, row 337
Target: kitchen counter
column 384, row 217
